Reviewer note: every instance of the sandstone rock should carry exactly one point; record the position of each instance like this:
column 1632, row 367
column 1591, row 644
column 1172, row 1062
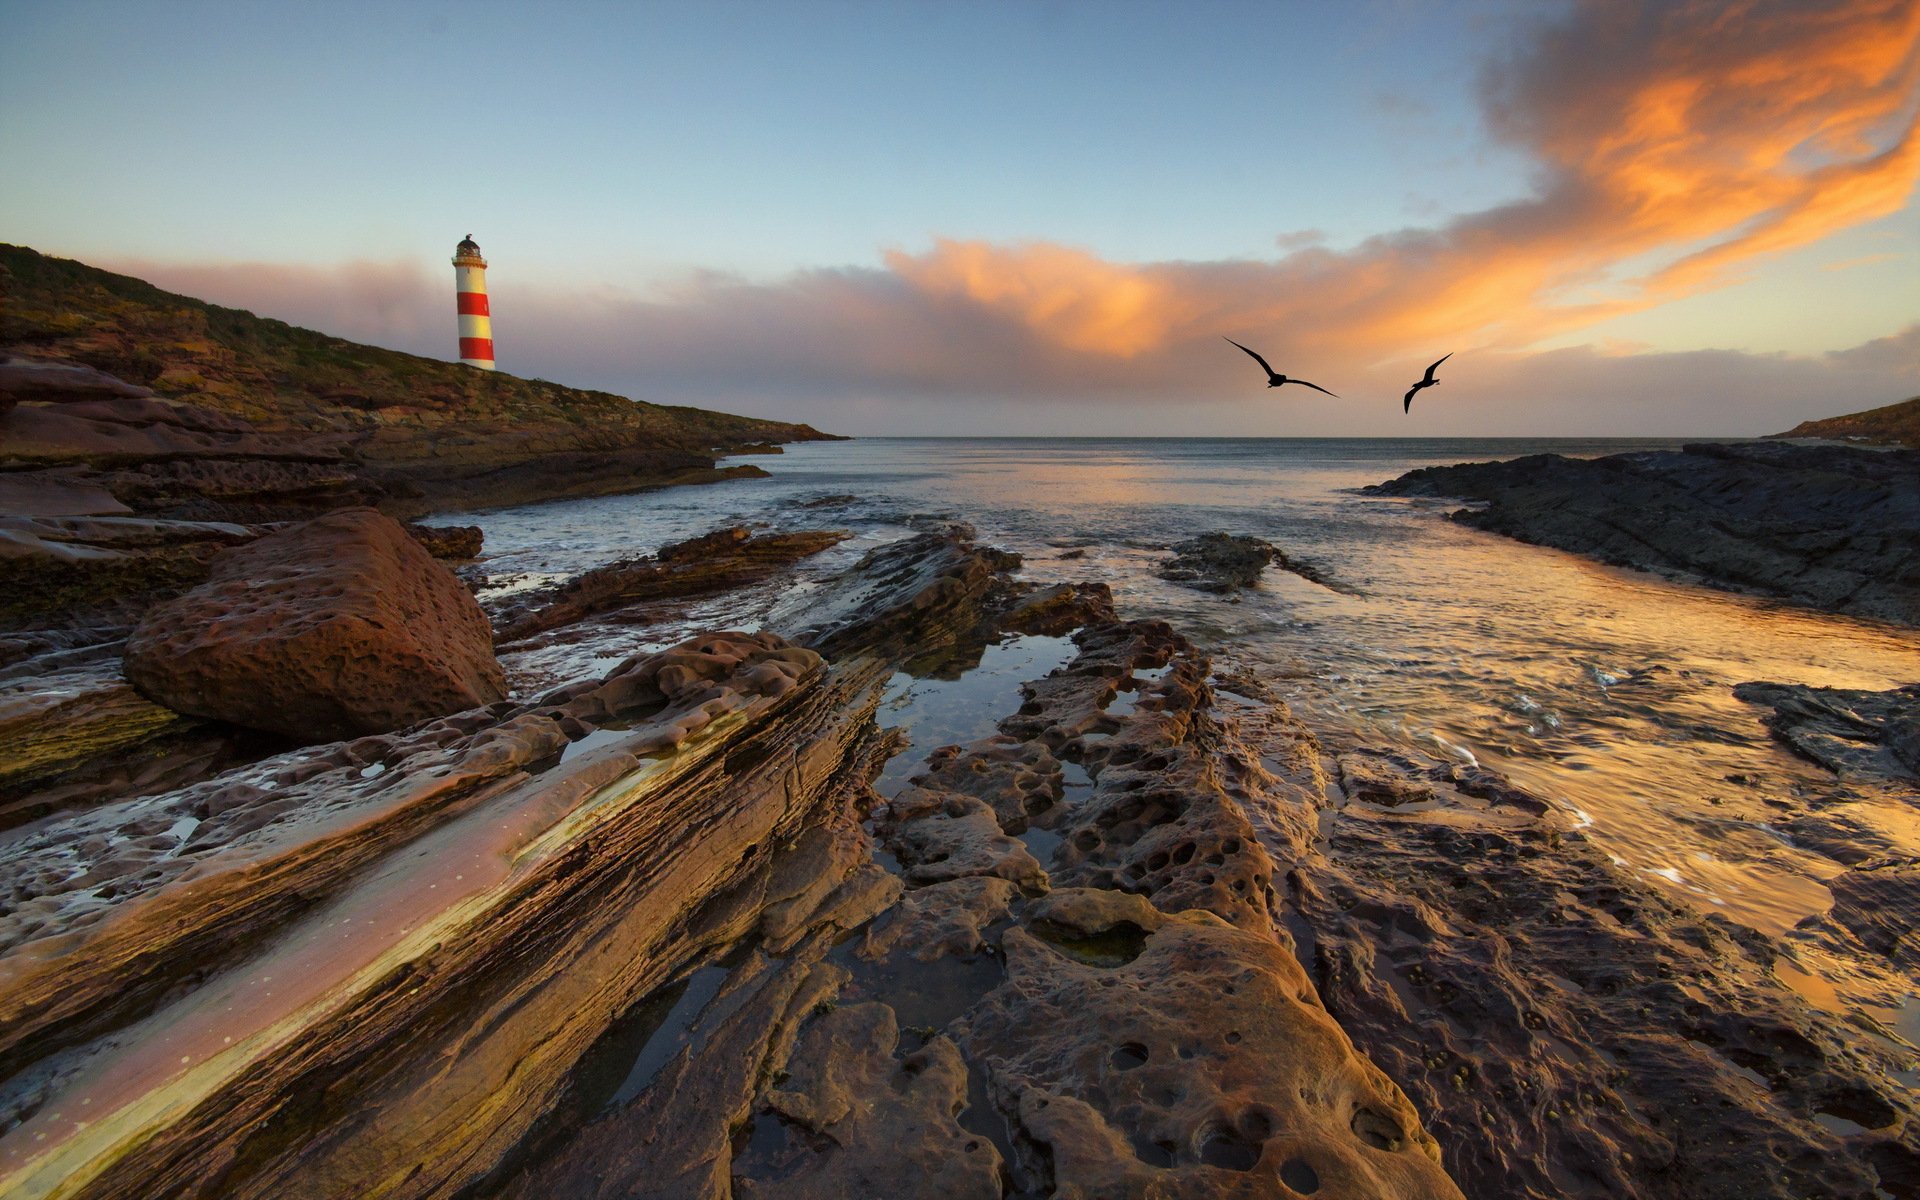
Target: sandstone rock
column 54, row 721
column 1880, row 903
column 944, row 835
column 1141, row 1054
column 889, row 1118
column 339, row 627
column 28, row 380
column 956, row 588
column 1567, row 1030
column 1020, row 780
column 49, row 494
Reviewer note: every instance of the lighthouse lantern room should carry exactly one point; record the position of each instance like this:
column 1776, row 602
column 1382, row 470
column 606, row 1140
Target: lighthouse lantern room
column 470, row 287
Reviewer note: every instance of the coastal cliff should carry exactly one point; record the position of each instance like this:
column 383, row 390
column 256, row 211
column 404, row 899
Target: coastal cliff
column 216, row 413
column 1889, row 425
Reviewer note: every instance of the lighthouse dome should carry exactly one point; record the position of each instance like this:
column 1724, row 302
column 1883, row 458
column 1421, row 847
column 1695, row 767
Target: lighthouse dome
column 467, row 253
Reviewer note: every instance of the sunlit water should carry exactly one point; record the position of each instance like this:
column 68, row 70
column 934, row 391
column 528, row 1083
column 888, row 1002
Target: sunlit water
column 1608, row 692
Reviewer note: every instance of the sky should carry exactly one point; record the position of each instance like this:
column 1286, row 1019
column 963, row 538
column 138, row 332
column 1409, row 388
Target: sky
column 1620, row 217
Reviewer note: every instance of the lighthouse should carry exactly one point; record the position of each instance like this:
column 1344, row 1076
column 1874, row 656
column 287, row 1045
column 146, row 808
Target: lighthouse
column 470, row 287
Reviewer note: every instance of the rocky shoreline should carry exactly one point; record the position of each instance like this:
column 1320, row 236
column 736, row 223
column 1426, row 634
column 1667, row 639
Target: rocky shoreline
column 1826, row 526
column 664, row 931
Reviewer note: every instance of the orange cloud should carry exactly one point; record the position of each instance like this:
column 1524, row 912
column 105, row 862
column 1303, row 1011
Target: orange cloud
column 1066, row 295
column 1706, row 133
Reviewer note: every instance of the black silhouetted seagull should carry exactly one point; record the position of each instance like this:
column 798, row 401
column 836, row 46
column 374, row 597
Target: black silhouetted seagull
column 1429, row 381
column 1275, row 379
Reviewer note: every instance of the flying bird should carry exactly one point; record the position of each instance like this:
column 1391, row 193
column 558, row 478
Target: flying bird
column 1429, row 381
column 1275, row 379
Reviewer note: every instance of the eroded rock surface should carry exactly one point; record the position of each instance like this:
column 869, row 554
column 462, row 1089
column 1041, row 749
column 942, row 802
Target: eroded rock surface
column 1830, row 527
column 335, row 628
column 1184, row 1057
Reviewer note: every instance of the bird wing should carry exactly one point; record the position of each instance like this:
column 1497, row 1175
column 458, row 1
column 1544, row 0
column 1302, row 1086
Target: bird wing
column 1436, row 366
column 1408, row 405
column 1256, row 358
column 1316, row 387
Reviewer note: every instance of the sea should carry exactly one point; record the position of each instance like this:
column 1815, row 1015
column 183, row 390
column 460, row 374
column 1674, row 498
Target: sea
column 1608, row 692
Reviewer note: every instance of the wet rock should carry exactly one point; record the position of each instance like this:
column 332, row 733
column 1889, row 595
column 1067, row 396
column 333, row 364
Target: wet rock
column 930, row 601
column 948, row 919
column 1849, row 732
column 1219, row 562
column 52, row 494
column 713, row 563
column 339, row 627
column 1059, row 610
column 53, row 722
column 1162, row 819
column 458, row 542
column 1830, row 527
column 1880, row 903
column 1566, row 1030
column 1202, row 1065
column 883, row 1121
column 78, row 571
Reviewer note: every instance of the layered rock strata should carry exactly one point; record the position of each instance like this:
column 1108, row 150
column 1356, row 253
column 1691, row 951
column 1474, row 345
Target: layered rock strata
column 1830, row 527
column 715, row 562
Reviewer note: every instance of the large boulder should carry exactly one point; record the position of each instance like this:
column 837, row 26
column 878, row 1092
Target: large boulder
column 336, row 628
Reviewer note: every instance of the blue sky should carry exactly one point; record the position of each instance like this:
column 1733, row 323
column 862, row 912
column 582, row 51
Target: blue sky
column 746, row 137
column 628, row 159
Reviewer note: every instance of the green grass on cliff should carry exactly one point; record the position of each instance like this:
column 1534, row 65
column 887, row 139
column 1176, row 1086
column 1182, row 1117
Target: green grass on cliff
column 282, row 377
column 1894, row 425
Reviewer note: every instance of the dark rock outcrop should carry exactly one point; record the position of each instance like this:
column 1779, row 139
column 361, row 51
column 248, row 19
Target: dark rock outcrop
column 1566, row 1030
column 1219, row 562
column 1830, row 527
column 457, row 542
column 339, row 627
column 1845, row 730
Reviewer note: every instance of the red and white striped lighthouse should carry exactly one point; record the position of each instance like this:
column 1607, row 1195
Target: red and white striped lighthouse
column 476, row 323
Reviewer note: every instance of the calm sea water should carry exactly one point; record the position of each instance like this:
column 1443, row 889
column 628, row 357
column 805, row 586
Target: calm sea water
column 1609, row 692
